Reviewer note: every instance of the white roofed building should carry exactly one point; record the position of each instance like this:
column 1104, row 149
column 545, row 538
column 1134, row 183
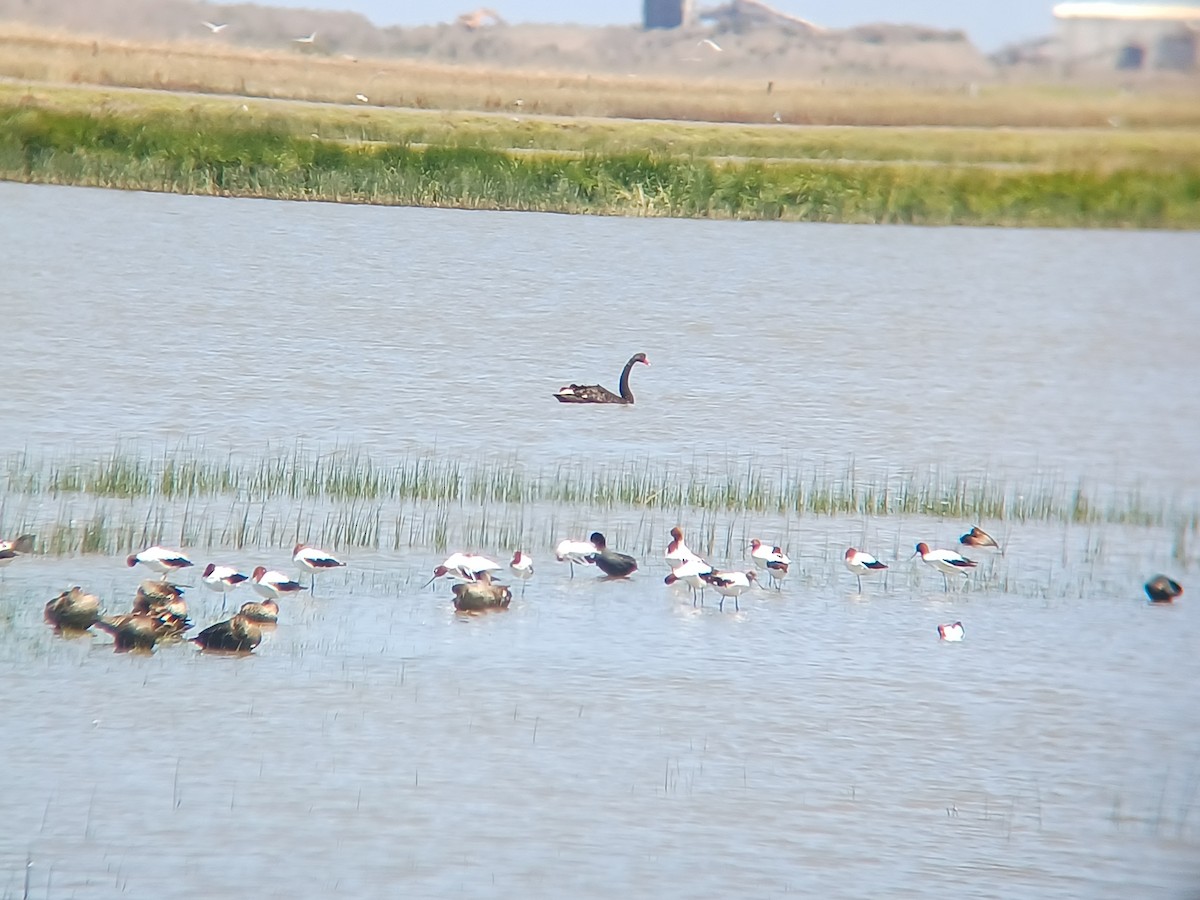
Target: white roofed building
column 1128, row 36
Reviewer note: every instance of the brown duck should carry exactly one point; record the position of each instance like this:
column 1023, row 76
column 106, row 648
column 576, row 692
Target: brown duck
column 73, row 611
column 1161, row 589
column 263, row 612
column 235, row 635
column 133, row 631
column 481, row 595
column 594, row 393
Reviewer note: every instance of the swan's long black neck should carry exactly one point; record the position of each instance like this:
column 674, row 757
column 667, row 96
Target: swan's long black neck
column 626, row 393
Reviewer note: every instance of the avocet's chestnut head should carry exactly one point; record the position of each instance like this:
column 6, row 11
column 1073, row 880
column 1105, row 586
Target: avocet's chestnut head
column 516, row 560
column 298, row 548
column 677, row 533
column 131, row 561
column 755, row 544
column 440, row 571
column 850, row 554
column 751, row 575
column 259, row 572
column 208, row 570
column 922, row 549
column 598, row 540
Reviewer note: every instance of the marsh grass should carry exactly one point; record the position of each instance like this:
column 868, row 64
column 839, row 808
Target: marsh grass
column 182, row 155
column 348, row 498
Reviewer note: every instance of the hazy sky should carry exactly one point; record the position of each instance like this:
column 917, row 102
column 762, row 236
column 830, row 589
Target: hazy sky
column 990, row 23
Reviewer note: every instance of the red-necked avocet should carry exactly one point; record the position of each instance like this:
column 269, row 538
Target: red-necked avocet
column 951, row 632
column 574, row 552
column 1161, row 589
column 610, row 562
column 222, row 579
column 272, row 584
column 594, row 393
column 945, row 561
column 691, row 572
column 464, row 567
column 521, row 566
column 162, row 560
column 860, row 563
column 677, row 551
column 773, row 559
column 977, row 537
column 312, row 561
column 730, row 584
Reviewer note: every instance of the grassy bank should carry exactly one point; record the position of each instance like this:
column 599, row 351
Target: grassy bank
column 181, row 148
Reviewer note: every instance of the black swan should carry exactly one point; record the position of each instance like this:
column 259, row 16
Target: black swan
column 594, row 393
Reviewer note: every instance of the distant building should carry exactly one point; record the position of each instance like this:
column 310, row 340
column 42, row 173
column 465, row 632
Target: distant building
column 666, row 13
column 1128, row 35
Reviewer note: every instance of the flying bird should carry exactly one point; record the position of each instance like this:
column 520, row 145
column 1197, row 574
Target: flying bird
column 710, row 44
column 214, row 28
column 306, row 40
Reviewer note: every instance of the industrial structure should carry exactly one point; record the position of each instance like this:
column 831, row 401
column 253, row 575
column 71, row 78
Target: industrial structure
column 1128, row 36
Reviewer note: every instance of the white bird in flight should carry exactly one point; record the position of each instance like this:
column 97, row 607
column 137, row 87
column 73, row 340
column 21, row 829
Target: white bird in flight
column 306, row 40
column 214, row 28
column 710, row 44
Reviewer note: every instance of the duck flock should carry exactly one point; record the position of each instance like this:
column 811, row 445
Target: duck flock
column 159, row 613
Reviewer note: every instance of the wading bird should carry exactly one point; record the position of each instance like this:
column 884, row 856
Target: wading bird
column 160, row 559
column 773, row 559
column 272, row 585
column 951, row 632
column 463, row 566
column 594, row 393
column 222, row 579
column 730, row 584
column 691, row 572
column 521, row 566
column 574, row 552
column 312, row 561
column 945, row 561
column 860, row 564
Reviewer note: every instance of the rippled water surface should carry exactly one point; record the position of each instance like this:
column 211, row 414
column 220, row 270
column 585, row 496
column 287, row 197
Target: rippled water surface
column 605, row 738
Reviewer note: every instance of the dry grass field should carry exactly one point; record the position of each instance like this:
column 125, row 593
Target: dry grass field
column 32, row 55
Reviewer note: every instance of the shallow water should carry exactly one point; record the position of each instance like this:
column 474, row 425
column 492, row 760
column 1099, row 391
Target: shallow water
column 604, row 738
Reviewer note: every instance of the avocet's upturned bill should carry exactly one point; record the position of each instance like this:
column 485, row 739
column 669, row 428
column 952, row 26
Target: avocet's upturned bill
column 162, row 560
column 952, row 632
column 945, row 561
column 861, row 563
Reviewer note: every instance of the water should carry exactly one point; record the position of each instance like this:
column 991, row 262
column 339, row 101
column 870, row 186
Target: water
column 607, row 738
